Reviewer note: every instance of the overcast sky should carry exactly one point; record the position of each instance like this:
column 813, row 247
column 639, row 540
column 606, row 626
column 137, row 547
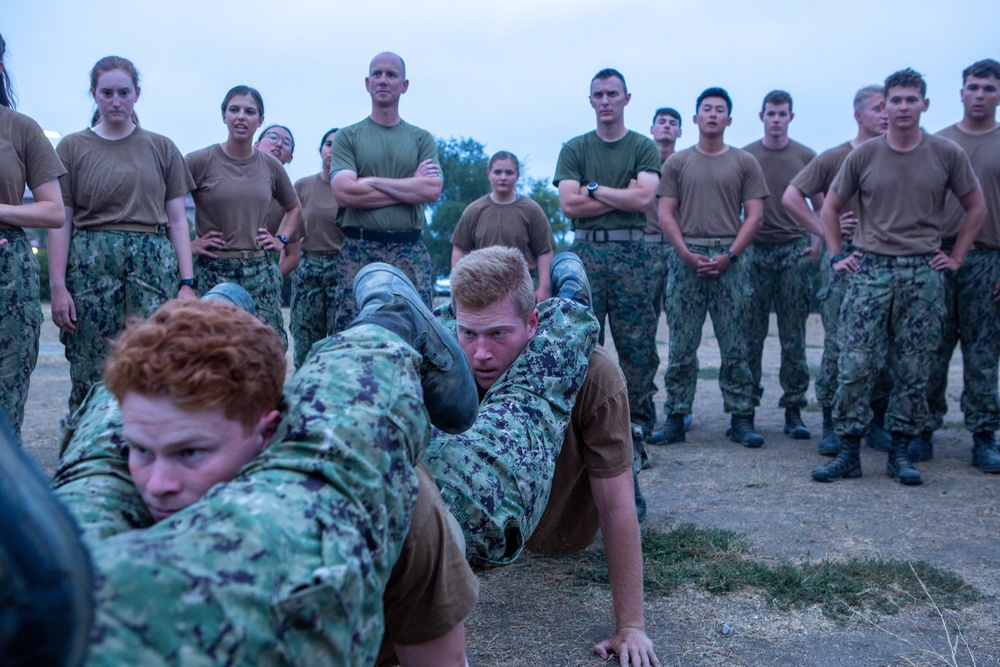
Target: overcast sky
column 513, row 75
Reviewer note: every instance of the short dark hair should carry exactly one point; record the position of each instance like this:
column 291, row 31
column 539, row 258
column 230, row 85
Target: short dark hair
column 328, row 133
column 667, row 111
column 283, row 127
column 7, row 96
column 982, row 69
column 777, row 98
column 715, row 91
column 607, row 73
column 905, row 78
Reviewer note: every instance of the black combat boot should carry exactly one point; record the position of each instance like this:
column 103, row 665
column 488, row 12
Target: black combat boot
column 46, row 580
column 742, row 431
column 386, row 298
column 877, row 437
column 829, row 444
column 847, row 465
column 794, row 428
column 922, row 447
column 984, row 452
column 672, row 431
column 898, row 465
column 569, row 279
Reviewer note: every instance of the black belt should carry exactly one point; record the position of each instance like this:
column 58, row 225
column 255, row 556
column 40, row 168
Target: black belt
column 409, row 236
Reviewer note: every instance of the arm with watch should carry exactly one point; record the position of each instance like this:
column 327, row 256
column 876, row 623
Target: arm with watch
column 830, row 216
column 752, row 220
column 179, row 235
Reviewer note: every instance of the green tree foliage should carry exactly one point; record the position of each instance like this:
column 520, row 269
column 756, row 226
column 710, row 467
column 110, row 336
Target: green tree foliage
column 548, row 198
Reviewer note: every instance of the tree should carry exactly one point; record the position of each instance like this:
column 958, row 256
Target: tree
column 548, row 198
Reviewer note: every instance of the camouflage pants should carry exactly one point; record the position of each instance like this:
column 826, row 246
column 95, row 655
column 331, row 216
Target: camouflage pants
column 286, row 564
column 727, row 300
column 831, row 296
column 619, row 273
column 410, row 258
column 659, row 265
column 112, row 276
column 779, row 277
column 972, row 317
column 20, row 324
column 495, row 478
column 314, row 301
column 891, row 304
column 259, row 276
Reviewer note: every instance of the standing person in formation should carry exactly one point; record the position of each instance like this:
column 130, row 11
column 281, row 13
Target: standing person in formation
column 702, row 193
column 607, row 180
column 279, row 142
column 816, row 179
column 780, row 261
column 895, row 291
column 314, row 282
column 124, row 248
column 26, row 158
column 384, row 172
column 972, row 294
column 234, row 186
column 504, row 217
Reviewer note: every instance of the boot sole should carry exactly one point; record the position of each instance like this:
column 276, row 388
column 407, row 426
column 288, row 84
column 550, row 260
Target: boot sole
column 909, row 481
column 853, row 473
column 798, row 433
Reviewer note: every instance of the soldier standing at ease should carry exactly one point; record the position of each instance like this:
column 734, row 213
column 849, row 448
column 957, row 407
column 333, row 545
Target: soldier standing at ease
column 780, row 261
column 895, row 290
column 972, row 293
column 702, row 192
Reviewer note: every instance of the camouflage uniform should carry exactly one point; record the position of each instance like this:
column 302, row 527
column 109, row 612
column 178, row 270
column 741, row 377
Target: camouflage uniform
column 972, row 317
column 286, row 564
column 620, row 274
column 660, row 253
column 495, row 478
column 20, row 323
column 727, row 300
column 890, row 303
column 112, row 276
column 314, row 301
column 258, row 275
column 779, row 278
column 831, row 296
column 413, row 259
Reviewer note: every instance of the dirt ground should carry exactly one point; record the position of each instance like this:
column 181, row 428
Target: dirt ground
column 537, row 613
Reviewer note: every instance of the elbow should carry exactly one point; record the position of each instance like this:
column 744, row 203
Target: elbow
column 646, row 201
column 55, row 216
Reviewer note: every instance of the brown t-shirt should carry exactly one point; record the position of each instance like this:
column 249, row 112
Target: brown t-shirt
column 121, row 180
column 598, row 444
column 26, row 156
column 319, row 229
column 984, row 152
column 521, row 224
column 902, row 194
column 711, row 189
column 780, row 167
column 431, row 588
column 233, row 196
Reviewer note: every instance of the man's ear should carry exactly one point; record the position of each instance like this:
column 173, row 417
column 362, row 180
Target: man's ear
column 267, row 426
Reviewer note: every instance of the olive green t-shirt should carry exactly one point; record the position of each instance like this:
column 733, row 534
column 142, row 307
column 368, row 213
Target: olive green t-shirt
column 125, row 180
column 780, row 167
column 588, row 158
column 26, row 156
column 984, row 153
column 319, row 215
column 902, row 194
column 370, row 149
column 233, row 196
column 520, row 224
column 710, row 189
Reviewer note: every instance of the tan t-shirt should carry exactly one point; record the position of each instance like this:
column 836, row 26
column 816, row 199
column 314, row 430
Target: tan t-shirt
column 598, row 444
column 711, row 189
column 233, row 196
column 122, row 180
column 984, row 152
column 780, row 167
column 319, row 230
column 26, row 157
column 902, row 194
column 520, row 224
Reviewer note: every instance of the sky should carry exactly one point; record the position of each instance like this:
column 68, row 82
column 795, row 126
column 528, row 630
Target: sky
column 513, row 75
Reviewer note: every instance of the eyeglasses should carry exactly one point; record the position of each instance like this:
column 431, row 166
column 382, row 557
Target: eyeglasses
column 278, row 139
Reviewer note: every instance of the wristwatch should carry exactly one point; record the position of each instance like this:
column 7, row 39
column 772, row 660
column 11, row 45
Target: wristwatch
column 836, row 258
column 282, row 238
column 189, row 282
column 591, row 188
column 732, row 256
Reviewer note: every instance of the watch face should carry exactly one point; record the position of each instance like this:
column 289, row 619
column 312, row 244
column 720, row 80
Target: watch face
column 592, row 186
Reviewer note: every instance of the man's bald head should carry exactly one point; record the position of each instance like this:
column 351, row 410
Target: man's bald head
column 389, row 54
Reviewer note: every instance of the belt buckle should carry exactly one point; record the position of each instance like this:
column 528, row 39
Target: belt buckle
column 713, row 243
column 247, row 254
column 601, row 231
